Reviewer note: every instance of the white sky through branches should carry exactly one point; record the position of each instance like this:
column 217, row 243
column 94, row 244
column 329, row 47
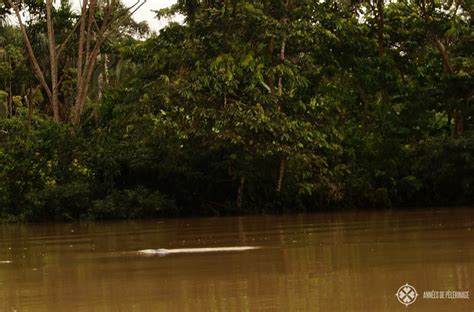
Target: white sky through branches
column 145, row 13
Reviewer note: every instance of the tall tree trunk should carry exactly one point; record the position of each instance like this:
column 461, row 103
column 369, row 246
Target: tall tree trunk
column 80, row 54
column 89, row 67
column 90, row 42
column 31, row 55
column 53, row 61
column 281, row 168
column 444, row 54
column 83, row 54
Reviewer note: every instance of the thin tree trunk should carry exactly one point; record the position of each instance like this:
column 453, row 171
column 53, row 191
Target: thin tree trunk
column 87, row 69
column 458, row 127
column 80, row 53
column 31, row 55
column 240, row 192
column 281, row 169
column 6, row 99
column 53, row 61
column 281, row 173
column 10, row 99
column 90, row 20
column 444, row 54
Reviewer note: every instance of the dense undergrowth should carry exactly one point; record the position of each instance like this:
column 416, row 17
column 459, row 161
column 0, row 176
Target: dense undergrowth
column 50, row 171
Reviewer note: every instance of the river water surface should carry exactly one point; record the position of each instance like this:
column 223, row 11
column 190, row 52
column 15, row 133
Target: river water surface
column 350, row 261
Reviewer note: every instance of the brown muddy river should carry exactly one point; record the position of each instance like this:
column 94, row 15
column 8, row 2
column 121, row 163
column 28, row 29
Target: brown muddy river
column 351, row 261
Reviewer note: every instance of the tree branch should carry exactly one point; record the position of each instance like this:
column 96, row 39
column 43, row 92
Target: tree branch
column 61, row 48
column 31, row 54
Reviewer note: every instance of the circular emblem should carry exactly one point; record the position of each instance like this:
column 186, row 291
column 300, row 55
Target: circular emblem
column 406, row 294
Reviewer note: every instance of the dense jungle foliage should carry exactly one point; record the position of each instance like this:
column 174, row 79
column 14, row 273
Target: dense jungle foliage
column 249, row 106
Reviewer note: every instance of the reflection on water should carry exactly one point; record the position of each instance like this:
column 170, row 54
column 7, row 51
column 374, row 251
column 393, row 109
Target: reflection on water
column 352, row 261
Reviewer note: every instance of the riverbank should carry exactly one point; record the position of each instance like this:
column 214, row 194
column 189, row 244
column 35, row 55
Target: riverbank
column 53, row 172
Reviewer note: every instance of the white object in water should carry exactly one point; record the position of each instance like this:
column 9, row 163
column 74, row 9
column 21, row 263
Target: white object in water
column 5, row 262
column 163, row 251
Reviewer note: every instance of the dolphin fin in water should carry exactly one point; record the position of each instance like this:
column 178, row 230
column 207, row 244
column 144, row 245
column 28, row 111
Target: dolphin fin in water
column 163, row 251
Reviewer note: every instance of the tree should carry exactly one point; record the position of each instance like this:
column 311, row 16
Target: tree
column 95, row 23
